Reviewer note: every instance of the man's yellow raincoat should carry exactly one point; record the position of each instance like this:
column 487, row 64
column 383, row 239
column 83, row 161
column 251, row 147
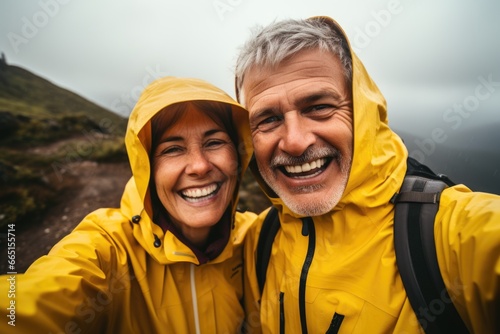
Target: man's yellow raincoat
column 340, row 274
column 118, row 272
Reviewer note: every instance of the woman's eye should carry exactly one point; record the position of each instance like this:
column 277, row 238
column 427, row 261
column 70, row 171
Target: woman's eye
column 215, row 143
column 171, row 150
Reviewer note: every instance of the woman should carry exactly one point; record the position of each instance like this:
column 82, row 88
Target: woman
column 170, row 259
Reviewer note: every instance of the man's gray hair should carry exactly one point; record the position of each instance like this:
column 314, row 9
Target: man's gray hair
column 270, row 45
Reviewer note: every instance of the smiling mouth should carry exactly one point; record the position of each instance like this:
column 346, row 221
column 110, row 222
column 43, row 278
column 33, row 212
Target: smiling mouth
column 306, row 170
column 195, row 195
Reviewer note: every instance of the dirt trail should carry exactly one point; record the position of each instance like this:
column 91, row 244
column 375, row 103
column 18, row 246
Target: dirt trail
column 87, row 186
column 96, row 185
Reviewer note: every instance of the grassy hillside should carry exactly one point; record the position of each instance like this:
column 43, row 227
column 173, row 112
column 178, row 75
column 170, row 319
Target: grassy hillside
column 43, row 130
column 39, row 111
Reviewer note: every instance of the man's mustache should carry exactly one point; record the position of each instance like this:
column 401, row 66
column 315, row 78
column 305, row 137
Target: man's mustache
column 310, row 154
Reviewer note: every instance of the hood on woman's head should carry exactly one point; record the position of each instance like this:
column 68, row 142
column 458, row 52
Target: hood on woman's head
column 172, row 94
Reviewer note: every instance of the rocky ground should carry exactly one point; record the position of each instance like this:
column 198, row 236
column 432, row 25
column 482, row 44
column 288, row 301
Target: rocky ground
column 94, row 185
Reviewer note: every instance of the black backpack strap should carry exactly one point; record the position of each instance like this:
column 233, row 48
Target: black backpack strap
column 267, row 234
column 416, row 168
column 415, row 211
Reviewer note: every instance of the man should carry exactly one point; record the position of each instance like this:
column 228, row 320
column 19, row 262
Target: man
column 325, row 156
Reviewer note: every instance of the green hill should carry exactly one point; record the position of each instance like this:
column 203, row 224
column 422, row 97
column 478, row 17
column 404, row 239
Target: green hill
column 39, row 111
column 43, row 130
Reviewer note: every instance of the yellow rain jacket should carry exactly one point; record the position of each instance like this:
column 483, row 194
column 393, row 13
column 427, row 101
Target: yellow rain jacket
column 342, row 274
column 118, row 272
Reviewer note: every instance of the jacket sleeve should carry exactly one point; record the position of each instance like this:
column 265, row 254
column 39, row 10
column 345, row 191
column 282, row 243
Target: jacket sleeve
column 467, row 234
column 67, row 291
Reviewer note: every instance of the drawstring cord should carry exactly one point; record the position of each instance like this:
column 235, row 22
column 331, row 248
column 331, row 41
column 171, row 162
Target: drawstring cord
column 157, row 242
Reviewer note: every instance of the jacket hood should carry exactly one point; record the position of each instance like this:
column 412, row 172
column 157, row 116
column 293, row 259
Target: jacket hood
column 136, row 202
column 379, row 155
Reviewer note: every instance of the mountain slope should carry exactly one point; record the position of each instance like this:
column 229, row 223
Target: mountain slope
column 39, row 110
column 44, row 131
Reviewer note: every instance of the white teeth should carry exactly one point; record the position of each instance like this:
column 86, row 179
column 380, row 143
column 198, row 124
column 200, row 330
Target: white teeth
column 200, row 192
column 305, row 167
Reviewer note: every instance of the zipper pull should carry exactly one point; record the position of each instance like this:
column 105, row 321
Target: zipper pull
column 305, row 225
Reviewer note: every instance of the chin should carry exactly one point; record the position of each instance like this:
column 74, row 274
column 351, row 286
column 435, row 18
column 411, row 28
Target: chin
column 315, row 203
column 203, row 223
column 309, row 208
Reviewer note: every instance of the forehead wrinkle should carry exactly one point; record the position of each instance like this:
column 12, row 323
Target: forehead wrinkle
column 207, row 133
column 260, row 99
column 260, row 80
column 265, row 75
column 183, row 130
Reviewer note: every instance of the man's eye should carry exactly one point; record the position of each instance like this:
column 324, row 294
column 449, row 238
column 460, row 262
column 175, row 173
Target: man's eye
column 270, row 122
column 320, row 111
column 318, row 107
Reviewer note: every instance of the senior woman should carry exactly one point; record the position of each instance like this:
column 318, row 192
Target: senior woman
column 169, row 260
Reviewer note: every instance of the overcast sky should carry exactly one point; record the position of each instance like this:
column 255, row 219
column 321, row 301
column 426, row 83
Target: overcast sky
column 426, row 56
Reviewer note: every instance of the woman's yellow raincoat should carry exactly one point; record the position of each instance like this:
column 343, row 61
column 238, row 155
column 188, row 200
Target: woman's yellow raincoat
column 118, row 272
column 341, row 273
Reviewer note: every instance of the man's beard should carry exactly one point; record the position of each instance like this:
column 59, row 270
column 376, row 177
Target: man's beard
column 292, row 196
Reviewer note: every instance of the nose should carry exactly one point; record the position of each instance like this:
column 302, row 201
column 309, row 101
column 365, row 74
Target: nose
column 198, row 163
column 297, row 136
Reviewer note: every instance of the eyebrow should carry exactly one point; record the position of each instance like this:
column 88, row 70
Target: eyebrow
column 262, row 113
column 180, row 138
column 311, row 98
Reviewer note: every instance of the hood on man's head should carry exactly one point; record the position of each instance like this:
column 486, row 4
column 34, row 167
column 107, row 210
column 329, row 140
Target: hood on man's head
column 379, row 155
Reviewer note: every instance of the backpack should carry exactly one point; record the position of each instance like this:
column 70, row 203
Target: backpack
column 416, row 206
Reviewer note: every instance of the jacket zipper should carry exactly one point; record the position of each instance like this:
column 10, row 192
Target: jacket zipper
column 335, row 324
column 282, row 313
column 307, row 230
column 194, row 297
